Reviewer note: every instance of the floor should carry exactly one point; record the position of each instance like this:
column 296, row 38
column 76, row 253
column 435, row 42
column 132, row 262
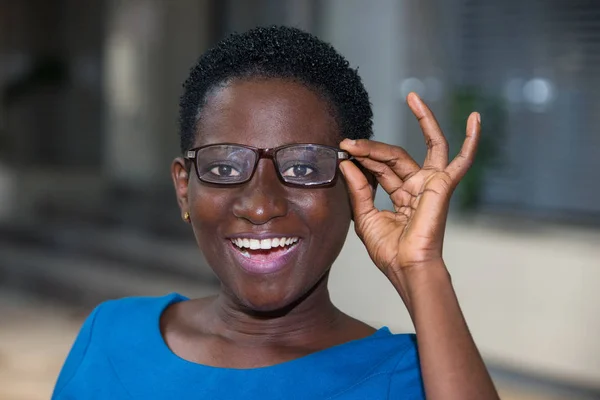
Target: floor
column 34, row 339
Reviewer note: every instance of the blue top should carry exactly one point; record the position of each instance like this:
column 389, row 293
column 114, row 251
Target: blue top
column 120, row 354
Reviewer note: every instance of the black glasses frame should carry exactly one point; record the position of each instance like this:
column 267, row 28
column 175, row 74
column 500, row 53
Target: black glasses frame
column 270, row 153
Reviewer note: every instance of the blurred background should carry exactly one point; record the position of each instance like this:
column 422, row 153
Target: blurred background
column 88, row 128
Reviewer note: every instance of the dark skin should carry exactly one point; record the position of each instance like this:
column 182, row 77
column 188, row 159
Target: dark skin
column 262, row 320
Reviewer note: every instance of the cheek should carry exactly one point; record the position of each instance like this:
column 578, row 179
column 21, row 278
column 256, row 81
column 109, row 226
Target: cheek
column 336, row 204
column 327, row 212
column 209, row 210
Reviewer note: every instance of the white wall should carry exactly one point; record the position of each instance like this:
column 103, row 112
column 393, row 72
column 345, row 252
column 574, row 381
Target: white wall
column 529, row 293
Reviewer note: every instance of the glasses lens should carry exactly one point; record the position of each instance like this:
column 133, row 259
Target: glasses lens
column 307, row 164
column 225, row 164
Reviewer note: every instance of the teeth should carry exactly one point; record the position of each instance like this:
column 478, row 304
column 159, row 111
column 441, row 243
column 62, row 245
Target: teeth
column 263, row 244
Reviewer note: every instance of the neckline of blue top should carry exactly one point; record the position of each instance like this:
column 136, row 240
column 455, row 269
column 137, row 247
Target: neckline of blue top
column 170, row 358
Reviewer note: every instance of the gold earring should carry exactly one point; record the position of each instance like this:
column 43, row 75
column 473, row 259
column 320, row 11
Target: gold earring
column 186, row 216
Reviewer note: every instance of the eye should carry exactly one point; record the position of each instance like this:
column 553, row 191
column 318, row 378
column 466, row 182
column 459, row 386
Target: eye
column 226, row 171
column 298, row 171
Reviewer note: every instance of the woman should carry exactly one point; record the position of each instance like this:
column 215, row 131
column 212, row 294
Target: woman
column 269, row 119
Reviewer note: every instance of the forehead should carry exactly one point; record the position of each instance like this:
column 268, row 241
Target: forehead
column 266, row 113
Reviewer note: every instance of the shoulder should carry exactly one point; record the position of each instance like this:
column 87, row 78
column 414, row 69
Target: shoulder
column 383, row 365
column 408, row 358
column 406, row 377
column 380, row 353
column 122, row 320
column 129, row 309
column 140, row 303
column 108, row 328
column 395, row 356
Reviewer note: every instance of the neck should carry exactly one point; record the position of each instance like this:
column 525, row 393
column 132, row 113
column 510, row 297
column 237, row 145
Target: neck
column 295, row 325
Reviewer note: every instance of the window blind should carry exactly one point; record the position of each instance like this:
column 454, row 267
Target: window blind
column 541, row 59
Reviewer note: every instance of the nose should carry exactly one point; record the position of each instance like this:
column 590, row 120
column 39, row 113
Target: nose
column 263, row 198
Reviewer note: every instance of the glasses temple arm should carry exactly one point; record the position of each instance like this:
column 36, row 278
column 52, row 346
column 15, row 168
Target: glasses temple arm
column 344, row 155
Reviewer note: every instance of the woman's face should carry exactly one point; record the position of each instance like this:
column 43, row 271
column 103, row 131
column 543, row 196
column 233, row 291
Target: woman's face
column 266, row 113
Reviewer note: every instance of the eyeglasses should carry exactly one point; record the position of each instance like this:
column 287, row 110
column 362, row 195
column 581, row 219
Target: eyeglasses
column 296, row 164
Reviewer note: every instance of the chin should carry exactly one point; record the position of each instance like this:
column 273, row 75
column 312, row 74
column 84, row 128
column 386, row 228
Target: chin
column 278, row 301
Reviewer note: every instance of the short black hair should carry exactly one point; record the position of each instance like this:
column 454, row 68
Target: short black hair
column 278, row 52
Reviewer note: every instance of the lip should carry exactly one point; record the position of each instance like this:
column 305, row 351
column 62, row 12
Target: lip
column 259, row 236
column 274, row 261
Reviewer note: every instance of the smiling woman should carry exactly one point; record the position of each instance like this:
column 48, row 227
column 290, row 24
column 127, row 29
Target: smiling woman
column 276, row 163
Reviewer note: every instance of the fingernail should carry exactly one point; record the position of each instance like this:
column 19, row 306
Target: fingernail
column 352, row 142
column 478, row 117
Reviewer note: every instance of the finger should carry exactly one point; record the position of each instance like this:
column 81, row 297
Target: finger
column 388, row 179
column 437, row 145
column 465, row 157
column 395, row 157
column 432, row 211
column 360, row 190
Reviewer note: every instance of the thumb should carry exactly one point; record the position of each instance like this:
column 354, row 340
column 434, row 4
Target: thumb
column 360, row 191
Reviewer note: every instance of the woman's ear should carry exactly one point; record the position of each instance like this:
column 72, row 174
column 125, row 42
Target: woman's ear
column 180, row 174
